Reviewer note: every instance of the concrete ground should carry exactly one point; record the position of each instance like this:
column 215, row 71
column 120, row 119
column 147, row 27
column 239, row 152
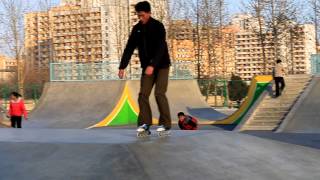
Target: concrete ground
column 118, row 154
column 303, row 139
column 209, row 153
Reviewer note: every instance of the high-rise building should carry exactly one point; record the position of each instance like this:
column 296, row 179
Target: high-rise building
column 294, row 48
column 8, row 68
column 216, row 51
column 81, row 31
column 180, row 40
column 65, row 33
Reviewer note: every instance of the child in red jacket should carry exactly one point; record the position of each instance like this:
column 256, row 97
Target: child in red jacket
column 17, row 110
column 187, row 122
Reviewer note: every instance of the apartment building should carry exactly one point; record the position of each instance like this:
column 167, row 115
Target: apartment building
column 180, row 40
column 294, row 48
column 8, row 68
column 216, row 51
column 65, row 33
column 81, row 31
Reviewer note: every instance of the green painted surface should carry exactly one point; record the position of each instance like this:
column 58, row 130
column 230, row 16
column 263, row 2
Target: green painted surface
column 259, row 89
column 126, row 116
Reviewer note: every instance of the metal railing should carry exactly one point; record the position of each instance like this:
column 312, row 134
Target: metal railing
column 315, row 63
column 108, row 70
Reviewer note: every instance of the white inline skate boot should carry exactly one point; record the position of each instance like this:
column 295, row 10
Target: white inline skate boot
column 143, row 131
column 162, row 131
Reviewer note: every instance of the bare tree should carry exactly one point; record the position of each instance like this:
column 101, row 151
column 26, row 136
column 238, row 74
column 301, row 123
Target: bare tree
column 256, row 9
column 118, row 24
column 273, row 19
column 294, row 35
column 315, row 16
column 222, row 15
column 11, row 20
column 278, row 15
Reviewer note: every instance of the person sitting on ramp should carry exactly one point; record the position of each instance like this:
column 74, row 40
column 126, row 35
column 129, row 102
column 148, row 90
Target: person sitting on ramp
column 187, row 122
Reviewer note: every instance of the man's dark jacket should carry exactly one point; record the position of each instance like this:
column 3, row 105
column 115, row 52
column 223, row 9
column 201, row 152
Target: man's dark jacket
column 150, row 38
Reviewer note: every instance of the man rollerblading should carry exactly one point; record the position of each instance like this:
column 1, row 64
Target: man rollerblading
column 149, row 36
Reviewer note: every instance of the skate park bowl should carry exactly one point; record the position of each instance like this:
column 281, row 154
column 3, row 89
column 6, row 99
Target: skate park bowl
column 184, row 95
column 56, row 146
column 114, row 103
column 85, row 102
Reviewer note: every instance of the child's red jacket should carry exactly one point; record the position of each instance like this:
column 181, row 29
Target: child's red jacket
column 17, row 108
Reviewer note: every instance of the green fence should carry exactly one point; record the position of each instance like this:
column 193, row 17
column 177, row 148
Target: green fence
column 315, row 63
column 108, row 70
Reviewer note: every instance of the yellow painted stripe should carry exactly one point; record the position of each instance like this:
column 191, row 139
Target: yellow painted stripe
column 132, row 102
column 126, row 95
column 245, row 105
column 115, row 110
column 264, row 78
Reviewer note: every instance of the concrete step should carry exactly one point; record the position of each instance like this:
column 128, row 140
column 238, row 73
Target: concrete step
column 278, row 100
column 267, row 118
column 271, row 113
column 298, row 80
column 296, row 83
column 275, row 105
column 298, row 76
column 294, row 87
column 290, row 94
column 266, row 123
column 282, row 97
column 304, row 79
column 259, row 128
column 271, row 109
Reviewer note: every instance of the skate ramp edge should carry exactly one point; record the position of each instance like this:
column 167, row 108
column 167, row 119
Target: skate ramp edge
column 258, row 85
column 304, row 115
column 124, row 113
column 76, row 105
column 126, row 110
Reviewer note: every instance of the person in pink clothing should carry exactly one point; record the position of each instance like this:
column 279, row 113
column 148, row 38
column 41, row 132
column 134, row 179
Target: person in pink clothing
column 17, row 110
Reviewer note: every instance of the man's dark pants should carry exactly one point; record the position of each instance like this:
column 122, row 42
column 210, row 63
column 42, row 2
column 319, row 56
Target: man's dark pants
column 279, row 81
column 160, row 79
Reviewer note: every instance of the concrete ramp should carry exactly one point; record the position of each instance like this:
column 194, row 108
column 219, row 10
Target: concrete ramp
column 305, row 115
column 75, row 104
column 114, row 103
column 183, row 95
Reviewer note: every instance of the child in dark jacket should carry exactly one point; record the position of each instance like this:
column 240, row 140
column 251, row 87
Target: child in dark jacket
column 17, row 110
column 187, row 122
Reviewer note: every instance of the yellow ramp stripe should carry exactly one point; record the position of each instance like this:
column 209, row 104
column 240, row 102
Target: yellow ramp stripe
column 245, row 105
column 115, row 110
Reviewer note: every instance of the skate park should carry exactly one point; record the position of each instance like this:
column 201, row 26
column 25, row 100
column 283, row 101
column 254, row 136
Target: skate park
column 89, row 133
